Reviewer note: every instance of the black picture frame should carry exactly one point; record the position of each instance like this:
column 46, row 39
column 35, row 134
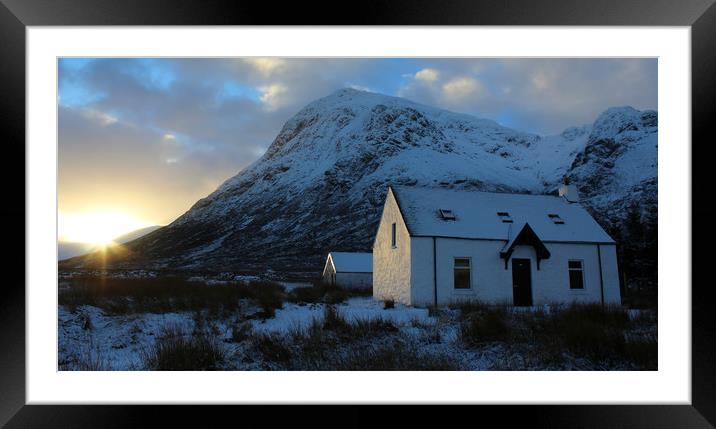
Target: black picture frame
column 16, row 15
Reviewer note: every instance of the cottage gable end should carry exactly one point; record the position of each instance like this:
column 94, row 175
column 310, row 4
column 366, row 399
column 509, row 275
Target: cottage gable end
column 391, row 254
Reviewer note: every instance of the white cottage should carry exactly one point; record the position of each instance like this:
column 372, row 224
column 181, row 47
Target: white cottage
column 352, row 270
column 438, row 246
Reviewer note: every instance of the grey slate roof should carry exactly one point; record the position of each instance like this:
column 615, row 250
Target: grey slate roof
column 346, row 262
column 476, row 215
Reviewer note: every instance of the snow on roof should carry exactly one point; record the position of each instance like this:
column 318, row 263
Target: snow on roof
column 346, row 262
column 476, row 215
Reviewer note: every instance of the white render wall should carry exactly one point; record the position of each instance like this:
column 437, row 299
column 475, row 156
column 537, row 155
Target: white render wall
column 354, row 280
column 491, row 282
column 328, row 270
column 391, row 266
column 421, row 273
column 610, row 274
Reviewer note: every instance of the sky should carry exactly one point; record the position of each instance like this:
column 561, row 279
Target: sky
column 141, row 139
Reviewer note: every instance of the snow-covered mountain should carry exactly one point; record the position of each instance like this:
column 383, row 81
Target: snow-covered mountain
column 320, row 185
column 618, row 165
column 68, row 249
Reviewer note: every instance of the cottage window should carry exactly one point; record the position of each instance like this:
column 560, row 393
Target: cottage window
column 461, row 273
column 556, row 219
column 447, row 214
column 392, row 235
column 505, row 217
column 576, row 274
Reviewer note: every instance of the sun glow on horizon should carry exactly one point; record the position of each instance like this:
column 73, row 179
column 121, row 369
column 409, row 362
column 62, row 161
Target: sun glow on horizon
column 99, row 227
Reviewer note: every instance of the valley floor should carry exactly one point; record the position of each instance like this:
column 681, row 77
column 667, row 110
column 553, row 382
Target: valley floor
column 357, row 333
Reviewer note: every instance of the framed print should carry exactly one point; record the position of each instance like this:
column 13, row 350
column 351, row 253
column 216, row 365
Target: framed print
column 466, row 210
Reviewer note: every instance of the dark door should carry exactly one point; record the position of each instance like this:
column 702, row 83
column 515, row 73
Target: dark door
column 521, row 282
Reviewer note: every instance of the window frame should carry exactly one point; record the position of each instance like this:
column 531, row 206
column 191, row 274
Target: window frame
column 394, row 235
column 556, row 218
column 505, row 217
column 569, row 274
column 447, row 214
column 468, row 268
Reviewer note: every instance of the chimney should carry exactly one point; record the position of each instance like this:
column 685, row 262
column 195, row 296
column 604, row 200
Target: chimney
column 569, row 192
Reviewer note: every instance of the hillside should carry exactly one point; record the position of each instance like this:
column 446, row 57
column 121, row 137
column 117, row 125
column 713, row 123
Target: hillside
column 320, row 185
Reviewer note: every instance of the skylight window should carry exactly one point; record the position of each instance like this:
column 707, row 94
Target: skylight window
column 447, row 214
column 556, row 219
column 505, row 217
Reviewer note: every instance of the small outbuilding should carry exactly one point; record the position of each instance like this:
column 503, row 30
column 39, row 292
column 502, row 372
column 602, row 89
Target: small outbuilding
column 438, row 246
column 351, row 270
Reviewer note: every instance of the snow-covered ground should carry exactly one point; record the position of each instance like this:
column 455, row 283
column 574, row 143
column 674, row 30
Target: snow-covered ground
column 115, row 341
column 289, row 286
column 119, row 340
column 91, row 339
column 354, row 309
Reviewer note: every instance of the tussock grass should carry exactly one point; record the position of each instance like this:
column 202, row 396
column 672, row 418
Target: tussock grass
column 168, row 294
column 470, row 307
column 644, row 353
column 357, row 329
column 490, row 324
column 88, row 358
column 177, row 350
column 334, row 321
column 272, row 346
column 241, row 331
column 396, row 357
column 92, row 362
column 590, row 331
column 563, row 336
column 336, row 295
column 480, row 322
column 318, row 346
column 85, row 321
column 268, row 295
column 307, row 294
column 320, row 292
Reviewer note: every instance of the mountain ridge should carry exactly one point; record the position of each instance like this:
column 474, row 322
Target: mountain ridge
column 69, row 249
column 320, row 185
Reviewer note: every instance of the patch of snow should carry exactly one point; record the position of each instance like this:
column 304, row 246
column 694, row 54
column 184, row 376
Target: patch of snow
column 210, row 247
column 246, row 278
column 293, row 316
column 289, row 286
column 116, row 340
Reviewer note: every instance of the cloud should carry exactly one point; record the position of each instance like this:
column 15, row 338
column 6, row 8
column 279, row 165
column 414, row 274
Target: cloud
column 272, row 95
column 360, row 88
column 101, row 117
column 165, row 133
column 123, row 166
column 544, row 96
column 445, row 87
column 460, row 88
column 540, row 82
column 428, row 75
column 266, row 66
column 157, row 134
